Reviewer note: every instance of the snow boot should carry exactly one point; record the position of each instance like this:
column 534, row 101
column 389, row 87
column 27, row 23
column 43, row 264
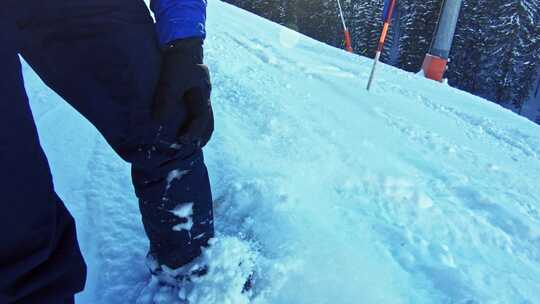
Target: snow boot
column 176, row 278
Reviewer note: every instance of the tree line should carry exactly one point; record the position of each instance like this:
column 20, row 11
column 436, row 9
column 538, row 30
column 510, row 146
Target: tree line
column 496, row 50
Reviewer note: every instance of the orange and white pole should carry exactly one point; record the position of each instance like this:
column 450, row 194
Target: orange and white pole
column 348, row 42
column 387, row 15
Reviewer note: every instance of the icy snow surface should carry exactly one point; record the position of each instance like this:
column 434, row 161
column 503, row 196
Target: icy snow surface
column 411, row 193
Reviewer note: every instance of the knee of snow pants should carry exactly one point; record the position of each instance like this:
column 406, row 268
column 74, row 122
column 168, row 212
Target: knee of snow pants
column 40, row 260
column 106, row 64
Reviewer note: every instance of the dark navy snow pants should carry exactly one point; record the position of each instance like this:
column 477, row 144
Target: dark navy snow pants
column 102, row 57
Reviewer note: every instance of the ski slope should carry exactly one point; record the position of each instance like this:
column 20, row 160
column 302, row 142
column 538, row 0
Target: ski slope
column 412, row 193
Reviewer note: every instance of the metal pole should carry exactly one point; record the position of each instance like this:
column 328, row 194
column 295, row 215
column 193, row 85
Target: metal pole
column 372, row 75
column 341, row 14
column 446, row 29
column 380, row 46
column 436, row 60
column 348, row 45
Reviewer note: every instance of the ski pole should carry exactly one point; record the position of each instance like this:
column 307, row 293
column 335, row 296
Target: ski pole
column 387, row 16
column 348, row 44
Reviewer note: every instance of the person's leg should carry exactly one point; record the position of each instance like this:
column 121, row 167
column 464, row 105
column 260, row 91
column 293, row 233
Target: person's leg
column 176, row 204
column 40, row 260
column 107, row 67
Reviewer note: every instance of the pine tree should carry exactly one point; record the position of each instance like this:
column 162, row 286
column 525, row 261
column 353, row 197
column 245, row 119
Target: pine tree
column 418, row 21
column 513, row 44
column 244, row 4
column 290, row 14
column 319, row 19
column 270, row 9
column 528, row 62
column 365, row 23
column 469, row 47
column 363, row 27
column 274, row 10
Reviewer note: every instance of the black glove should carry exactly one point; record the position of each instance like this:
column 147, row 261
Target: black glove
column 183, row 92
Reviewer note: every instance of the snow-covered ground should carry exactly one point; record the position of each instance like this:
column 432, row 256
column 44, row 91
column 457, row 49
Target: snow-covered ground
column 411, row 193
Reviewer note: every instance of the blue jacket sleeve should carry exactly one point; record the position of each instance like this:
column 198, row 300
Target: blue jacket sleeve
column 177, row 19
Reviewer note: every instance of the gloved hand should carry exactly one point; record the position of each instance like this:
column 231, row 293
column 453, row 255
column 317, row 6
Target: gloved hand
column 184, row 90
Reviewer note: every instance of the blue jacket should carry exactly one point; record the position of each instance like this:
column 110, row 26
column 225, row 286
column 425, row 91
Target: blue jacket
column 177, row 19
